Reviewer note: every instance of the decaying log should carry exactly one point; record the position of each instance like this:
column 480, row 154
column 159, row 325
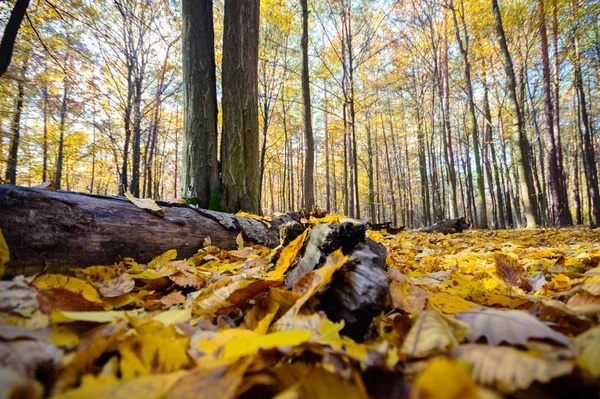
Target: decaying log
column 448, row 226
column 57, row 230
column 358, row 292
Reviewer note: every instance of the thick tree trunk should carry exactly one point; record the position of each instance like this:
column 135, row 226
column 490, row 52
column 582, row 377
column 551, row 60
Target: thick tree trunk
column 15, row 130
column 239, row 146
column 57, row 230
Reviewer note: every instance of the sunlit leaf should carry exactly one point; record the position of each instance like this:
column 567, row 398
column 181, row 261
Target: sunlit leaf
column 148, row 204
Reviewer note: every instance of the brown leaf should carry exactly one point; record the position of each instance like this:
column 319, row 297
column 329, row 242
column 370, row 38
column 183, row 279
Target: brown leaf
column 407, row 297
column 174, row 298
column 510, row 270
column 109, row 280
column 62, row 299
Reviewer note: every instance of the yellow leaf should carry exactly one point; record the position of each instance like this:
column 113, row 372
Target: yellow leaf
column 230, row 345
column 148, row 204
column 173, row 316
column 162, row 260
column 95, row 317
column 206, row 383
column 447, row 303
column 72, row 284
column 508, row 369
column 433, row 333
column 4, row 254
column 63, row 336
column 239, row 240
column 102, row 386
column 588, row 345
column 288, row 254
column 329, row 332
column 109, row 280
column 151, row 353
column 407, row 297
column 36, row 321
column 444, row 379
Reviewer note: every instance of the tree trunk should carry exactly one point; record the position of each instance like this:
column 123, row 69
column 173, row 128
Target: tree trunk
column 464, row 49
column 62, row 129
column 15, row 128
column 239, row 146
column 372, row 215
column 53, row 231
column 9, row 36
column 200, row 169
column 309, row 166
column 518, row 135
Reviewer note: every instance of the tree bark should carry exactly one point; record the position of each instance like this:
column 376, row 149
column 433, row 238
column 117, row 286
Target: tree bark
column 239, row 146
column 57, row 230
column 15, row 128
column 309, row 166
column 10, row 34
column 518, row 135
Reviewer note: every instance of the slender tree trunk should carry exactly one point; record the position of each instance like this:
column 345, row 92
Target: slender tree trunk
column 518, row 136
column 309, row 166
column 389, row 173
column 576, row 189
column 326, row 120
column 45, row 145
column 62, row 130
column 15, row 128
column 464, row 49
column 372, row 214
column 200, row 170
column 588, row 154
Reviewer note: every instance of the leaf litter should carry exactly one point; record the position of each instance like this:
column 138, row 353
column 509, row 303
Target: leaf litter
column 479, row 313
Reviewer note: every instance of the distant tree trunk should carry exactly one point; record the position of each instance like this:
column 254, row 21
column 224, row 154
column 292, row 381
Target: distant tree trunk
column 500, row 220
column 15, row 128
column 200, row 170
column 239, row 146
column 556, row 121
column 463, row 46
column 326, row 129
column 175, row 177
column 137, row 131
column 370, row 172
column 518, row 136
column 389, row 172
column 123, row 184
column 309, row 165
column 559, row 208
column 155, row 124
column 9, row 36
column 423, row 171
column 576, row 179
column 588, row 154
column 45, row 145
column 62, row 130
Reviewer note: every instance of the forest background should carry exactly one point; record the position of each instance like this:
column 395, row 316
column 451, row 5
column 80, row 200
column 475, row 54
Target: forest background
column 415, row 114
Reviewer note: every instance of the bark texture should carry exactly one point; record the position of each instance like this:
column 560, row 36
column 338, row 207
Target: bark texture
column 239, row 146
column 309, row 193
column 200, row 168
column 57, row 230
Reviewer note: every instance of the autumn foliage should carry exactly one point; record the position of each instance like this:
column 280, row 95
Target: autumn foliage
column 480, row 313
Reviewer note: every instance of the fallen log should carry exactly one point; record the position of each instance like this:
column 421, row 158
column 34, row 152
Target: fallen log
column 448, row 226
column 54, row 231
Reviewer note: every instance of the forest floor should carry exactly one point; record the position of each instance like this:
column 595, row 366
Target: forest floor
column 474, row 314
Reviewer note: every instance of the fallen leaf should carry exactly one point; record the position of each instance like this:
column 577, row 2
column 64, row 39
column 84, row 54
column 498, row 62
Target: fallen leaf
column 30, row 357
column 174, row 298
column 4, row 254
column 239, row 240
column 447, row 303
column 17, row 298
column 210, row 383
column 433, row 333
column 407, row 297
column 510, row 326
column 148, row 204
column 109, row 280
column 72, row 284
column 288, row 254
column 444, row 379
column 592, row 285
column 510, row 270
column 588, row 345
column 508, row 369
